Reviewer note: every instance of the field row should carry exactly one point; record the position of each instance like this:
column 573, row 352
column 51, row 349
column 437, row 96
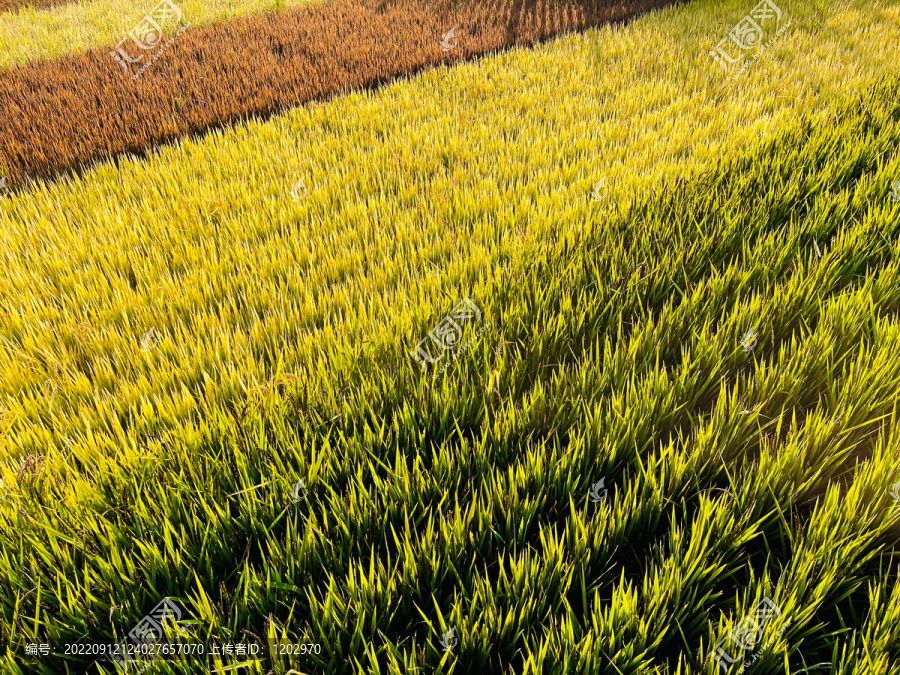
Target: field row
column 67, row 113
column 722, row 354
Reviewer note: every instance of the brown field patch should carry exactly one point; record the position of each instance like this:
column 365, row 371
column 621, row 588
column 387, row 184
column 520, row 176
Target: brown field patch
column 64, row 114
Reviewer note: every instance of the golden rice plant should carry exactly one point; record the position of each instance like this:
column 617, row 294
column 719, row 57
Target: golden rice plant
column 712, row 338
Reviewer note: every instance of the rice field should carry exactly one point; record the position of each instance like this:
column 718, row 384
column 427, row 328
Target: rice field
column 65, row 114
column 674, row 403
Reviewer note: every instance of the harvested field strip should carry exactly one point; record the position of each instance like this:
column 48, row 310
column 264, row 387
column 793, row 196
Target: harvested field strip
column 64, row 114
column 27, row 36
column 733, row 473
